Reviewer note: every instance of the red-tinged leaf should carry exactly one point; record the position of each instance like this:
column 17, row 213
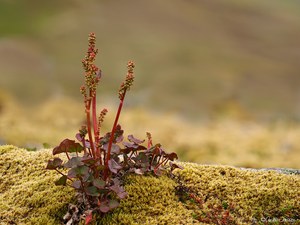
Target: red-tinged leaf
column 89, row 218
column 119, row 190
column 115, row 149
column 99, row 183
column 114, row 166
column 92, row 191
column 172, row 156
column 129, row 145
column 157, row 150
column 61, row 181
column 79, row 137
column 131, row 138
column 67, row 146
column 74, row 162
column 76, row 184
column 104, row 207
column 53, row 164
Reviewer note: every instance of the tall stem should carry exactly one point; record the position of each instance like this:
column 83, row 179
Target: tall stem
column 88, row 120
column 113, row 134
column 114, row 128
column 95, row 126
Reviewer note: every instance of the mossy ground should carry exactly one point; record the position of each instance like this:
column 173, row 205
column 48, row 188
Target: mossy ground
column 29, row 196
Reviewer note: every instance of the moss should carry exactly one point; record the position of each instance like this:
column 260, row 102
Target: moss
column 27, row 192
column 151, row 200
column 253, row 194
column 28, row 195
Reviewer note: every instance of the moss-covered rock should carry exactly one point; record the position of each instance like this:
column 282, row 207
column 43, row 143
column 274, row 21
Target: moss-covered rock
column 28, row 194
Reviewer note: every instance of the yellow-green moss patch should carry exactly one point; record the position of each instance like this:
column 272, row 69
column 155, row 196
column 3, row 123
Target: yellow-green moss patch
column 254, row 194
column 28, row 194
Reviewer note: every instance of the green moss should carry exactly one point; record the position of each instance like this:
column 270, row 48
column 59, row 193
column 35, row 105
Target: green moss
column 253, row 194
column 27, row 191
column 151, row 200
column 28, row 195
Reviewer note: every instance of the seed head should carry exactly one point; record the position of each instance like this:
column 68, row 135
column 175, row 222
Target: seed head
column 128, row 80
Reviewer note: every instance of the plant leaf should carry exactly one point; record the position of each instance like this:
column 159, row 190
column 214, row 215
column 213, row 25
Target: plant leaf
column 115, row 149
column 131, row 138
column 99, row 183
column 119, row 190
column 89, row 218
column 74, row 162
column 67, row 145
column 79, row 171
column 53, row 164
column 113, row 203
column 76, row 184
column 114, row 166
column 61, row 181
column 172, row 156
column 92, row 191
column 104, row 207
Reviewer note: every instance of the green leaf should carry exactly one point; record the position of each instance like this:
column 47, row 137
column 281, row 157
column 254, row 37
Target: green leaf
column 99, row 183
column 78, row 171
column 113, row 203
column 61, row 181
column 92, row 191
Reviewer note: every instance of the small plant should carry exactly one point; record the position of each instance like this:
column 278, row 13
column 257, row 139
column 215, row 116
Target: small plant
column 96, row 165
column 219, row 214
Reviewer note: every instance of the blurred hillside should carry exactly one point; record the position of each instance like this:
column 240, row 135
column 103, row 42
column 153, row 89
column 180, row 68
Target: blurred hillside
column 200, row 59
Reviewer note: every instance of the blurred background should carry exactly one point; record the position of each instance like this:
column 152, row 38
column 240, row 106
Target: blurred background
column 216, row 81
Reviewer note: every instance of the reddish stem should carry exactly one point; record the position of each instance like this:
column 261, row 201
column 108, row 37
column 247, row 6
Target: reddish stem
column 95, row 126
column 113, row 134
column 88, row 120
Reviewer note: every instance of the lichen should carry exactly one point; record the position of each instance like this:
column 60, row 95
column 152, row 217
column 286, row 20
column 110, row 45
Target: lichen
column 28, row 194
